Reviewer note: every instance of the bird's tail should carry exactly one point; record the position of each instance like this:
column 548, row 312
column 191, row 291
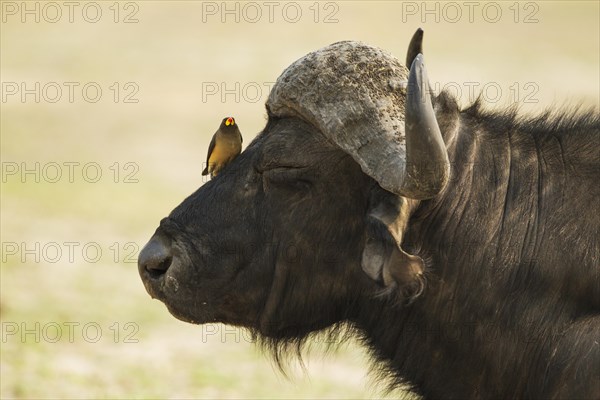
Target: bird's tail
column 205, row 172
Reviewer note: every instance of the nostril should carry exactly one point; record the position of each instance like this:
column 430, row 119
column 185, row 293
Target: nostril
column 155, row 258
column 158, row 268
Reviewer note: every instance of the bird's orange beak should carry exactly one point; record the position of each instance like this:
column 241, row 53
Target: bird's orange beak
column 230, row 121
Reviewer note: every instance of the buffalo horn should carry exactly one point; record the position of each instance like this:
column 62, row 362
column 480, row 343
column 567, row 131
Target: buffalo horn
column 356, row 96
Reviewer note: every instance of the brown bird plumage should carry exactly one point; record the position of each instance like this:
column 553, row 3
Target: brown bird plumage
column 225, row 145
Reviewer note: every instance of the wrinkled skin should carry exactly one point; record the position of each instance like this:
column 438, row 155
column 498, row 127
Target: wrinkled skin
column 233, row 261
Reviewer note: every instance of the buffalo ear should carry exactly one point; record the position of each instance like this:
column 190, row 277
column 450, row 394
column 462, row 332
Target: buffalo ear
column 383, row 260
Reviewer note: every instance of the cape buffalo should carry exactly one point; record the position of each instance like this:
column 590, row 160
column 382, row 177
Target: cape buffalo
column 460, row 245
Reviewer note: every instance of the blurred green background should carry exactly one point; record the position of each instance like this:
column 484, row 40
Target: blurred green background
column 88, row 174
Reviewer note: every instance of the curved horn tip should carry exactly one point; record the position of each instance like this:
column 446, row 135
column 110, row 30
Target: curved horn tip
column 414, row 47
column 428, row 167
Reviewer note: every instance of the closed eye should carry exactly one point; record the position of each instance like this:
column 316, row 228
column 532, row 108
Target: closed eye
column 292, row 178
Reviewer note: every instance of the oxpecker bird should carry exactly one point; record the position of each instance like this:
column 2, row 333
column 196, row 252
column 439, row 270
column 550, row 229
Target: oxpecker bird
column 225, row 145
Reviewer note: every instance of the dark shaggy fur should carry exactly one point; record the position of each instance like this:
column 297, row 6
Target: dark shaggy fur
column 512, row 305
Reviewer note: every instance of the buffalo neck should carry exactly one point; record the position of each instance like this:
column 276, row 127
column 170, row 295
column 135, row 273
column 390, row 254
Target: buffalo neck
column 490, row 297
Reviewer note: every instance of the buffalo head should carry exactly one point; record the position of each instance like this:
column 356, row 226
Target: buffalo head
column 310, row 217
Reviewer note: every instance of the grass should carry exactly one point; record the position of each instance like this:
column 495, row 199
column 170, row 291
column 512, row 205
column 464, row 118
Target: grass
column 169, row 54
